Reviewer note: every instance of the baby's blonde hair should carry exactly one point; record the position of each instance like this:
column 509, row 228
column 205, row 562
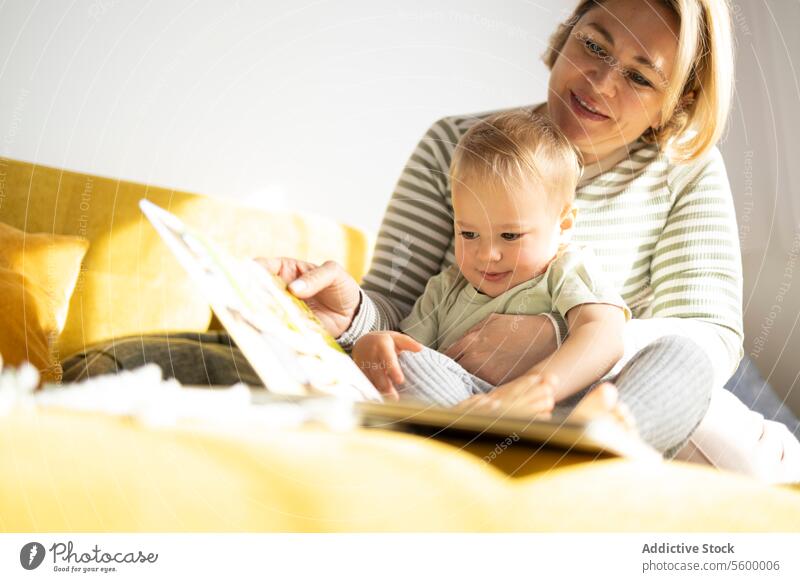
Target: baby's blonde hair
column 699, row 94
column 518, row 145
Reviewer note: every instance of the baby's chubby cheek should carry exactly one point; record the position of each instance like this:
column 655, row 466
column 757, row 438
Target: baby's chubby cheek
column 461, row 258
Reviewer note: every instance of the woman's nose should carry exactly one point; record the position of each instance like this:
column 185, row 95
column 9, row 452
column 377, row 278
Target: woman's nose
column 604, row 78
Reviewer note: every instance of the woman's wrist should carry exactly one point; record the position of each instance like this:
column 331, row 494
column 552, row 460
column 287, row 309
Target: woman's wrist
column 362, row 323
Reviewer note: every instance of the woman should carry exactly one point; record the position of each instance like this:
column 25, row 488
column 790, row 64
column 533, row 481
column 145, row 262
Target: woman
column 642, row 88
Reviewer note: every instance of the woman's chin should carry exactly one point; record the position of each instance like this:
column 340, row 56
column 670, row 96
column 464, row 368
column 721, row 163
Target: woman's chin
column 585, row 138
column 571, row 127
column 591, row 145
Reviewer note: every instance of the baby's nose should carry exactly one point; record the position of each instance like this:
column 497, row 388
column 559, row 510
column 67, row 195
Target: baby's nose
column 488, row 253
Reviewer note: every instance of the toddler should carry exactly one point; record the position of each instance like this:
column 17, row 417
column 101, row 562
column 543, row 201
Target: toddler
column 513, row 178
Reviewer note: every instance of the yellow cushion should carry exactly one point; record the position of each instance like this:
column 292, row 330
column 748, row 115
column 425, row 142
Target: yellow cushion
column 38, row 273
column 81, row 472
column 130, row 284
column 23, row 337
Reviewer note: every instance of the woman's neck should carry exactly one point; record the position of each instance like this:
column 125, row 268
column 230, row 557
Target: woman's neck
column 594, row 169
column 593, row 166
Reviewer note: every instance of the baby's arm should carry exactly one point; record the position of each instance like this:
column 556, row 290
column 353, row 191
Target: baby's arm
column 594, row 344
column 376, row 355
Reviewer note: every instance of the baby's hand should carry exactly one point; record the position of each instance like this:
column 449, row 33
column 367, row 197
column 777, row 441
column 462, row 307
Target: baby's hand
column 376, row 356
column 528, row 395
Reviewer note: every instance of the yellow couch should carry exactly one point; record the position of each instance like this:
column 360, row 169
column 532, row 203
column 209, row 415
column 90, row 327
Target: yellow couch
column 80, row 472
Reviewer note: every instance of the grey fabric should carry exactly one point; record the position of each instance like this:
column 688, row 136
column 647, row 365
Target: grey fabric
column 432, row 377
column 756, row 393
column 667, row 387
column 199, row 359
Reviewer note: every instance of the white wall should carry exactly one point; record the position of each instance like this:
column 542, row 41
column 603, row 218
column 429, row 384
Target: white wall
column 762, row 152
column 315, row 106
column 308, row 105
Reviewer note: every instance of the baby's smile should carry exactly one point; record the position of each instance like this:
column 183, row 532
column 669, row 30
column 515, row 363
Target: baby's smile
column 494, row 276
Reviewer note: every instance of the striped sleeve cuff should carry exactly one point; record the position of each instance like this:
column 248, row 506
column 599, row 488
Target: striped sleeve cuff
column 364, row 322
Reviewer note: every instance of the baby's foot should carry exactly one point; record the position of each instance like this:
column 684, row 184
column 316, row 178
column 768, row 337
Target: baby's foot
column 603, row 402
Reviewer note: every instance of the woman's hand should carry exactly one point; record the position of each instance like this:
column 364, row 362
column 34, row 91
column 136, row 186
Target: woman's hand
column 376, row 355
column 503, row 347
column 528, row 395
column 331, row 293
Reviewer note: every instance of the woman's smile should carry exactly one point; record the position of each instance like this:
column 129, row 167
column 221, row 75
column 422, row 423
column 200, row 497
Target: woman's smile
column 585, row 107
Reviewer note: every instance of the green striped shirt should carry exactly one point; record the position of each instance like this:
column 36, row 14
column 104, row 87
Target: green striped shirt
column 665, row 236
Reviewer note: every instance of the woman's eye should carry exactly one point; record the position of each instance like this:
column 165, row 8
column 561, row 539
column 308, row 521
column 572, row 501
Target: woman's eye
column 469, row 235
column 509, row 236
column 638, row 79
column 594, row 48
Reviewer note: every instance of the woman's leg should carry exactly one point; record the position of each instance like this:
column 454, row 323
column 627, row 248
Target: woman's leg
column 198, row 359
column 433, row 377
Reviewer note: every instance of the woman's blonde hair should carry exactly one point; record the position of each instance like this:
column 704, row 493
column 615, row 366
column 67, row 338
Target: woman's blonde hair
column 518, row 145
column 698, row 96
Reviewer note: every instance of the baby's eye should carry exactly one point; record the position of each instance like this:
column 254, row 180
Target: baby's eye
column 469, row 235
column 510, row 236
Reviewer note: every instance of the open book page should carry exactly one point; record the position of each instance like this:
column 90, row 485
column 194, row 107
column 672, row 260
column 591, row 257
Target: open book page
column 278, row 334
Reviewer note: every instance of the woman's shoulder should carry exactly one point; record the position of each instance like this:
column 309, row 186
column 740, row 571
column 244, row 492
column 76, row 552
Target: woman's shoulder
column 646, row 166
column 707, row 169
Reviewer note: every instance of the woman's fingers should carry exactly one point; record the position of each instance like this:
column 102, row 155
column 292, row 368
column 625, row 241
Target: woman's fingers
column 312, row 282
column 455, row 351
column 286, row 268
column 463, row 345
column 271, row 264
column 304, row 279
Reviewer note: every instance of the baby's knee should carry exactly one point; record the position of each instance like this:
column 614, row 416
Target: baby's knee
column 684, row 355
